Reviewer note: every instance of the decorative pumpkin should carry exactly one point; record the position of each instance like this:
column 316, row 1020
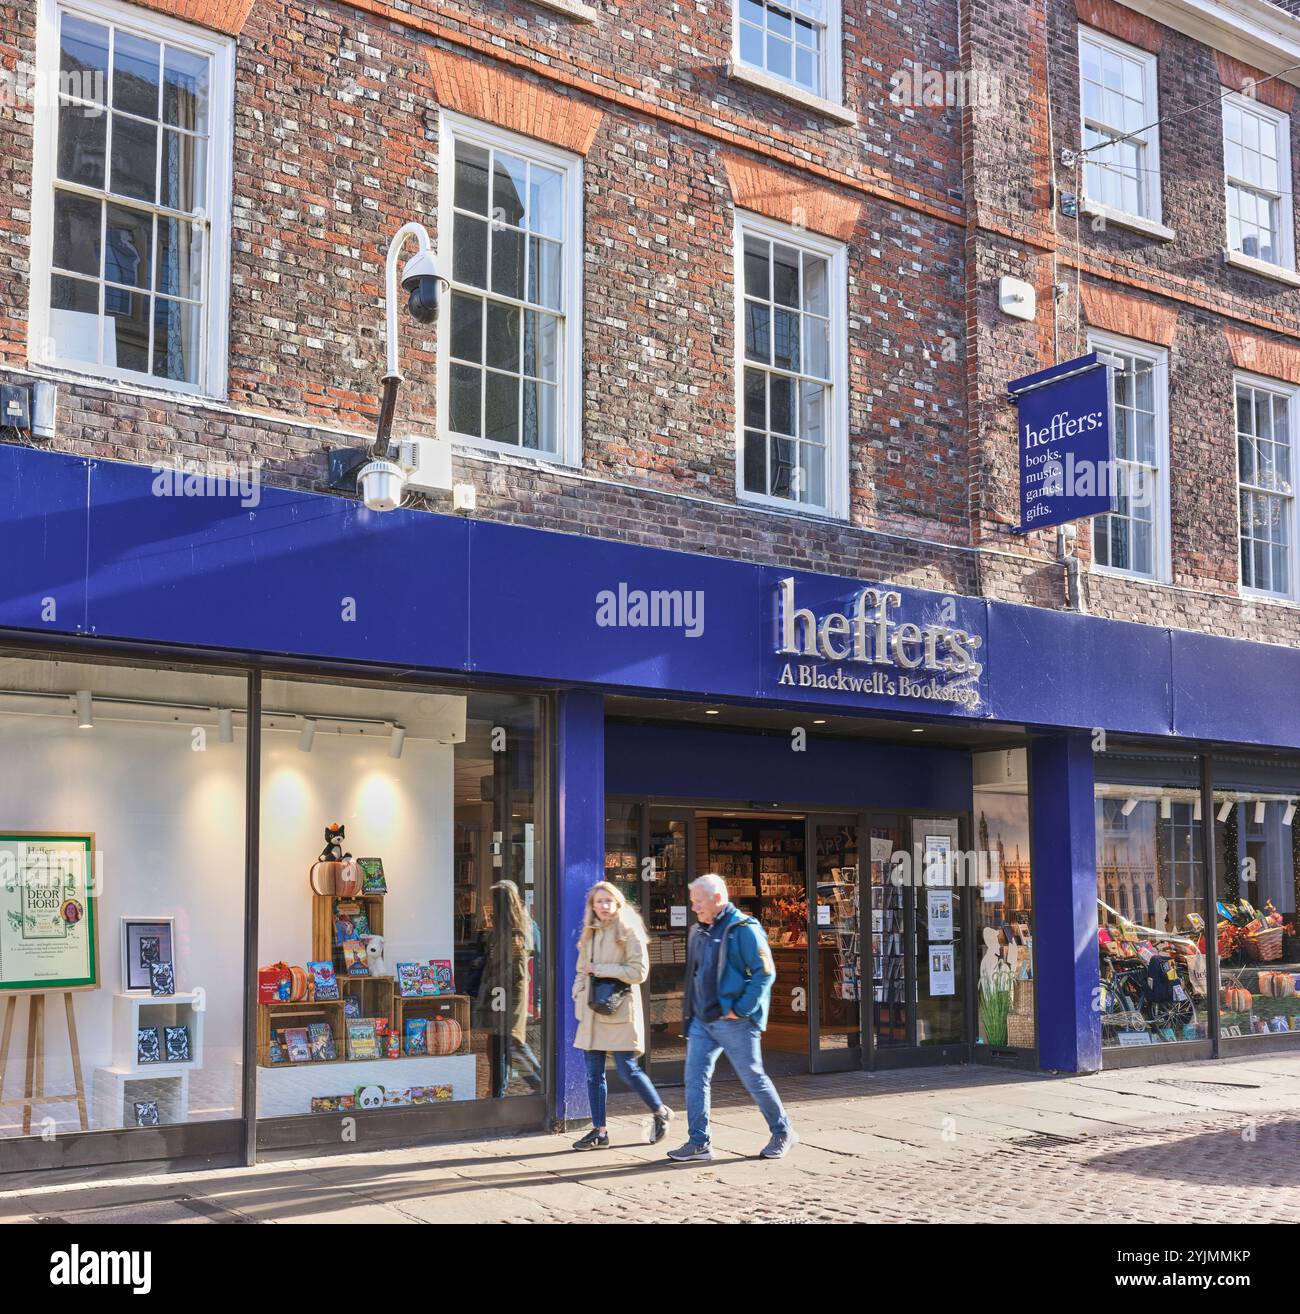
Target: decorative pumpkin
column 443, row 1035
column 1237, row 999
column 335, row 872
column 1278, row 984
column 299, row 981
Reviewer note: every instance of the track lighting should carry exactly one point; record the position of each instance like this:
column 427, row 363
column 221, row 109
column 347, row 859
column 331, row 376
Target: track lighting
column 1288, row 815
column 1166, row 808
column 1129, row 806
column 226, row 725
column 308, row 736
column 1225, row 809
column 1259, row 812
column 396, row 740
column 85, row 718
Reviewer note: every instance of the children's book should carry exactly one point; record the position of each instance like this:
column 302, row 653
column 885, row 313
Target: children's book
column 351, row 1006
column 147, row 1047
column 177, row 1041
column 354, row 959
column 320, row 1039
column 295, row 1041
column 441, row 978
column 372, row 876
column 408, row 979
column 362, row 1043
column 326, row 983
column 415, row 1040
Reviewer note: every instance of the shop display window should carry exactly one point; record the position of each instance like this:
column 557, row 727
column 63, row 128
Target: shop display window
column 403, row 897
column 1150, row 901
column 122, row 802
column 1005, row 903
column 1257, row 868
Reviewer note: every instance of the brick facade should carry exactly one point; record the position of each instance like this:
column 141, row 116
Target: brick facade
column 337, row 143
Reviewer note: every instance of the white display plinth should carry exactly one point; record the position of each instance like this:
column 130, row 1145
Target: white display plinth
column 116, row 1091
column 287, row 1089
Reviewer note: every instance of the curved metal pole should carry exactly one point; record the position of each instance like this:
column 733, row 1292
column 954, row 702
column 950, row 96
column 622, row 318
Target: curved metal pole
column 393, row 374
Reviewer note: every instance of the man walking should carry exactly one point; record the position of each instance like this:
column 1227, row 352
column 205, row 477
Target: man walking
column 729, row 975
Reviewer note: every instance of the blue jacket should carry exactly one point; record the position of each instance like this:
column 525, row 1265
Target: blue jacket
column 745, row 969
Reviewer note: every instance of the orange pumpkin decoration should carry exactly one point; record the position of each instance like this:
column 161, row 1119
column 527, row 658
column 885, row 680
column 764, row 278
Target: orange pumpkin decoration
column 1278, row 984
column 443, row 1035
column 1237, row 999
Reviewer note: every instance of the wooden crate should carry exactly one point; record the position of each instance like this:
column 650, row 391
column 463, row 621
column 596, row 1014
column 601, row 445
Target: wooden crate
column 428, row 1006
column 375, row 992
column 323, row 948
column 279, row 1016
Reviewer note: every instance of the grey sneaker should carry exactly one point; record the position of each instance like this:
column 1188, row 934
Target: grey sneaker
column 779, row 1145
column 659, row 1126
column 593, row 1140
column 691, row 1153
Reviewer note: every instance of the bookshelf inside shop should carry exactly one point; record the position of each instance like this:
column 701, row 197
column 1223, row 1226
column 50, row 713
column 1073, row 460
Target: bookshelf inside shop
column 466, row 879
column 622, row 851
column 888, row 923
column 838, row 927
column 762, row 862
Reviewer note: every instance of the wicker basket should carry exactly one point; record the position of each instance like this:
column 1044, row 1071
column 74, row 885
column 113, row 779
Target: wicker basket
column 1024, row 997
column 1264, row 946
column 1020, row 1028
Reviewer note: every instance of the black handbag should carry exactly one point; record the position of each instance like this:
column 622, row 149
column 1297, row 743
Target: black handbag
column 606, row 994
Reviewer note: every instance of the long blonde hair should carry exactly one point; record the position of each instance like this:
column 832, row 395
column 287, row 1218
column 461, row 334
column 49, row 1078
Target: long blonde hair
column 625, row 918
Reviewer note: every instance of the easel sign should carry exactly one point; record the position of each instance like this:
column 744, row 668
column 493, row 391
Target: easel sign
column 49, row 933
column 49, row 942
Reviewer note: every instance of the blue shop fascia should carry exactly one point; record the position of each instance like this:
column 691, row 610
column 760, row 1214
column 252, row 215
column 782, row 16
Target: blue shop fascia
column 931, row 801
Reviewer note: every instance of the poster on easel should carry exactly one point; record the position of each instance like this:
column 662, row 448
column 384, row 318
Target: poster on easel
column 48, row 930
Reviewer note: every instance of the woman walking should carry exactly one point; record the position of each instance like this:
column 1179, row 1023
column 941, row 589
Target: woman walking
column 612, row 963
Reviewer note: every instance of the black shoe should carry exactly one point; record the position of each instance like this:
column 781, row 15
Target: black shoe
column 659, row 1125
column 593, row 1140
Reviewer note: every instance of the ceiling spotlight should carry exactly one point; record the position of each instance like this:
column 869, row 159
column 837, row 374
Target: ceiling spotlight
column 1288, row 814
column 226, row 725
column 1196, row 808
column 1129, row 806
column 918, row 730
column 1166, row 808
column 1259, row 812
column 308, row 735
column 821, row 722
column 85, row 719
column 1225, row 809
column 396, row 740
column 711, row 711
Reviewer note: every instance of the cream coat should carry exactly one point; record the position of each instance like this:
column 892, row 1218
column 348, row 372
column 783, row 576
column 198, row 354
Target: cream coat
column 629, row 961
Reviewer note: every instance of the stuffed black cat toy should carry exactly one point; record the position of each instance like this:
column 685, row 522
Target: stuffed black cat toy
column 333, row 851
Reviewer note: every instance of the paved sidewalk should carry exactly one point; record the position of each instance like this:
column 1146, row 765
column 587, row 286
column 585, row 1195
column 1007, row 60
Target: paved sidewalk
column 1204, row 1142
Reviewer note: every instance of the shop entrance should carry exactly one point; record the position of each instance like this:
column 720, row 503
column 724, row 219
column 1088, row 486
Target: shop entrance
column 868, row 972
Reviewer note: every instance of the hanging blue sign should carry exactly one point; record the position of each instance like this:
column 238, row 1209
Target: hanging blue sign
column 1067, row 470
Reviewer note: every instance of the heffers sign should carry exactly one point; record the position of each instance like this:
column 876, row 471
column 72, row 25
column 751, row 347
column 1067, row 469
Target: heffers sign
column 881, row 645
column 1065, row 457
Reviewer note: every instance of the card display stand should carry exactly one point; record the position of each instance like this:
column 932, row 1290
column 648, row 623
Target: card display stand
column 117, row 1086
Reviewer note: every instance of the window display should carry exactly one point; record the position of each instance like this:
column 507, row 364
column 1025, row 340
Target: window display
column 1004, row 907
column 1150, row 901
column 1256, row 931
column 412, row 974
column 122, row 844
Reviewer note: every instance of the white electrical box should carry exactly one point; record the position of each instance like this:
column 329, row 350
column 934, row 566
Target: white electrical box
column 427, row 463
column 1017, row 298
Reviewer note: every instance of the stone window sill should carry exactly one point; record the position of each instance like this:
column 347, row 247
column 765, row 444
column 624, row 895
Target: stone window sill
column 1135, row 223
column 1261, row 267
column 571, row 9
column 787, row 91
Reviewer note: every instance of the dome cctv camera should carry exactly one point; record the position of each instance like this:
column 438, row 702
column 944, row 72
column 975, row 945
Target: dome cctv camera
column 420, row 278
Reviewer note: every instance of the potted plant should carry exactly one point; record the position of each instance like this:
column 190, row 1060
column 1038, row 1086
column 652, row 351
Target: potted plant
column 995, row 1006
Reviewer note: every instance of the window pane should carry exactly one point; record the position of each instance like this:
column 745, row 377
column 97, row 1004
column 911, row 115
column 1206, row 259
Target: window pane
column 180, row 259
column 76, row 233
column 469, row 251
column 508, row 189
column 135, row 74
column 785, row 275
column 503, row 336
column 546, row 201
column 816, row 347
column 781, row 399
column 126, row 335
column 466, row 327
column 812, row 474
column 508, row 262
column 185, row 90
column 540, row 416
column 466, row 401
column 815, row 291
column 782, row 456
column 135, row 158
column 758, row 334
column 128, row 236
column 756, row 269
column 83, row 135
column 183, row 171
column 544, row 266
column 751, row 46
column 471, row 189
column 176, row 340
column 785, row 341
column 74, row 319
column 501, row 419
column 755, row 462
column 83, row 58
column 755, row 399
column 541, row 345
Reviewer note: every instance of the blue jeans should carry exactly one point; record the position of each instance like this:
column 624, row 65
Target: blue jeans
column 739, row 1040
column 630, row 1073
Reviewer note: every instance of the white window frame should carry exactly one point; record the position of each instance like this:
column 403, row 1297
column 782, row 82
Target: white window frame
column 212, row 364
column 1161, row 553
column 1290, row 395
column 836, row 503
column 457, row 127
column 1285, row 201
column 832, row 91
column 1150, row 181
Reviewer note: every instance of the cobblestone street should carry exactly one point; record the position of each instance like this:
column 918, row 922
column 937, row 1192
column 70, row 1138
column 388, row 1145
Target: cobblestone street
column 1200, row 1143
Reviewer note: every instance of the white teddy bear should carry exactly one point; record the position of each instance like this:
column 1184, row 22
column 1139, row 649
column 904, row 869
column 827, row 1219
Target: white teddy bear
column 375, row 956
